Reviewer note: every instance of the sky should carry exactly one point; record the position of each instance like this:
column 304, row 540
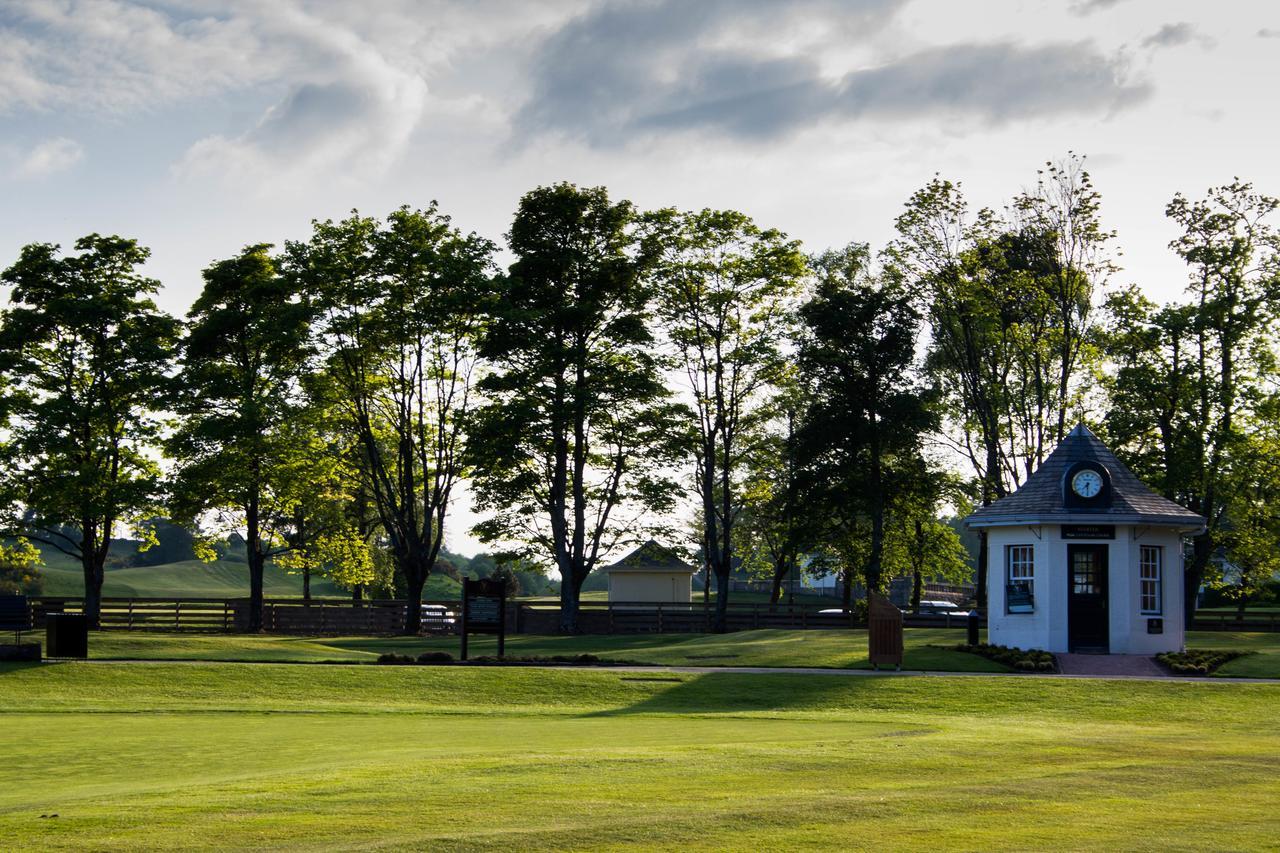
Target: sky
column 200, row 127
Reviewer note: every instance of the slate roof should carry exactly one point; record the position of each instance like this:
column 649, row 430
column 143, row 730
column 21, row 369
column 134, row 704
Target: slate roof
column 651, row 557
column 1039, row 500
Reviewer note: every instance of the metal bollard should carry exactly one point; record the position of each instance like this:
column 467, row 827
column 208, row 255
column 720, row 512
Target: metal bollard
column 973, row 628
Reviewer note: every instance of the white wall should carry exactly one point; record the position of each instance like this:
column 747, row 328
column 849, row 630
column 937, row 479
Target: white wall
column 650, row 586
column 1046, row 628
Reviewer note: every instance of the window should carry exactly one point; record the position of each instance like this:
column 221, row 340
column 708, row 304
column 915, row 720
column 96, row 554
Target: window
column 1150, row 586
column 1020, row 579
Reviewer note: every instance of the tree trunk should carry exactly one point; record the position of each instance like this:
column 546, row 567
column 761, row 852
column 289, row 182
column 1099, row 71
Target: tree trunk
column 415, row 578
column 846, row 595
column 306, row 583
column 256, row 561
column 917, row 586
column 570, row 595
column 721, row 623
column 92, row 591
column 357, row 592
column 1201, row 550
column 779, row 573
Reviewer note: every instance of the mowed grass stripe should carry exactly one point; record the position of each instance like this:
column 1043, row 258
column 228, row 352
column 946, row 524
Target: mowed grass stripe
column 884, row 763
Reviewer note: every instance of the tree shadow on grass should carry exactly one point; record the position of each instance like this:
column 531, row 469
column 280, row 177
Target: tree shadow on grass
column 729, row 693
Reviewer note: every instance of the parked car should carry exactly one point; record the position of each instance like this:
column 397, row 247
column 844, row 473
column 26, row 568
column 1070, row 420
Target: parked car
column 941, row 608
column 437, row 616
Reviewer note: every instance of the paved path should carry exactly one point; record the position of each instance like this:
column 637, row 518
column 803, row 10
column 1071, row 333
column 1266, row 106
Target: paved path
column 1110, row 665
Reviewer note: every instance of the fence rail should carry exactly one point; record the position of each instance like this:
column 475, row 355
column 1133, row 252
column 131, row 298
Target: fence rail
column 344, row 616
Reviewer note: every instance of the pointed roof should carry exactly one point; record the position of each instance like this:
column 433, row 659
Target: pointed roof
column 1040, row 498
column 651, row 557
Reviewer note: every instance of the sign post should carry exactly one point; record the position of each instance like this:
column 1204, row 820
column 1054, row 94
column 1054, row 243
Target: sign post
column 484, row 611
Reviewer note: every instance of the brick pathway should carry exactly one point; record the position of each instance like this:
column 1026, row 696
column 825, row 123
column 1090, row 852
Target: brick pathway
column 1142, row 666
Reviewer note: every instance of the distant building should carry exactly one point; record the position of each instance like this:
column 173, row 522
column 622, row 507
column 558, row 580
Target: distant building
column 650, row 573
column 1085, row 558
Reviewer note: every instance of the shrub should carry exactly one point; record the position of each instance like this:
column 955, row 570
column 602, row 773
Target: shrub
column 393, row 658
column 1196, row 661
column 1019, row 660
column 435, row 657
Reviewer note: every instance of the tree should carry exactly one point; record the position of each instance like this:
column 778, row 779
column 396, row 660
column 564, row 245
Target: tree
column 20, row 569
column 238, row 448
column 571, row 448
column 776, row 524
column 861, row 435
column 401, row 306
column 86, row 354
column 918, row 543
column 722, row 290
column 1190, row 378
column 1010, row 308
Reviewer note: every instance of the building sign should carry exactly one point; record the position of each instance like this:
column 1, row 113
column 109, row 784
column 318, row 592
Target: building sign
column 484, row 611
column 1018, row 598
column 1088, row 531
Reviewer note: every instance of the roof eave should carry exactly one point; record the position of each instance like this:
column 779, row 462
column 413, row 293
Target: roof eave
column 1191, row 525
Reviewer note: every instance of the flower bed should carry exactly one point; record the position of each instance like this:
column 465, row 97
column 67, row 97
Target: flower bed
column 1196, row 661
column 1019, row 660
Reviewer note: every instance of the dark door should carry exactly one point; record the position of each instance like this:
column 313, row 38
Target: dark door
column 1087, row 598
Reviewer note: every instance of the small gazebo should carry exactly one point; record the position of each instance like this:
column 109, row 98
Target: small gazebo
column 1085, row 558
column 651, row 573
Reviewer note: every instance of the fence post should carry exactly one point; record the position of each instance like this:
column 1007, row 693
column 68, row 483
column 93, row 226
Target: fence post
column 131, row 614
column 659, row 617
column 610, row 617
column 177, row 616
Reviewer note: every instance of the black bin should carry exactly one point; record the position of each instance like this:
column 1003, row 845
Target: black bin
column 67, row 635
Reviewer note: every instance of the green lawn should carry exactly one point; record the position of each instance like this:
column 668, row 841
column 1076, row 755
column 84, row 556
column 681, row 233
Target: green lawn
column 845, row 649
column 1263, row 663
column 234, row 756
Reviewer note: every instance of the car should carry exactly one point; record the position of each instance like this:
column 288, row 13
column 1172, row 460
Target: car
column 941, row 608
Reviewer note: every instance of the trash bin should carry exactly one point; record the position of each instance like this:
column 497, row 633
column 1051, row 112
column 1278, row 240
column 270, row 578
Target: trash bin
column 973, row 627
column 67, row 635
column 884, row 632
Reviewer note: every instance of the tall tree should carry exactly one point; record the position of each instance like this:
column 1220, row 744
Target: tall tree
column 238, row 448
column 776, row 524
column 1010, row 307
column 1189, row 378
column 401, row 306
column 571, row 449
column 862, row 433
column 722, row 290
column 86, row 354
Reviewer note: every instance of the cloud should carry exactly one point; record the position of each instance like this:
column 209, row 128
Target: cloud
column 643, row 69
column 1267, row 33
column 1088, row 7
column 48, row 158
column 1176, row 35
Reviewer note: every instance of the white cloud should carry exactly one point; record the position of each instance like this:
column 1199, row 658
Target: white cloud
column 48, row 158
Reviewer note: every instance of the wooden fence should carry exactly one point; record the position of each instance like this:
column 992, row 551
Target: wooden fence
column 284, row 616
column 1223, row 621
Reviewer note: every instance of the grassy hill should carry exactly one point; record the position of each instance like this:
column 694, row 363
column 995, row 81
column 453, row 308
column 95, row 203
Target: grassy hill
column 188, row 579
column 194, row 579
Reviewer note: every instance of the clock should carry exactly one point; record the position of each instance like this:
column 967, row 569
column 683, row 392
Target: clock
column 1087, row 483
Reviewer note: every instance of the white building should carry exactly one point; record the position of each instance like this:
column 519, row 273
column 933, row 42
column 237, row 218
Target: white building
column 1085, row 558
column 651, row 573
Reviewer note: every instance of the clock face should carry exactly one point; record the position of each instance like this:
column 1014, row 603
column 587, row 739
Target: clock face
column 1087, row 484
